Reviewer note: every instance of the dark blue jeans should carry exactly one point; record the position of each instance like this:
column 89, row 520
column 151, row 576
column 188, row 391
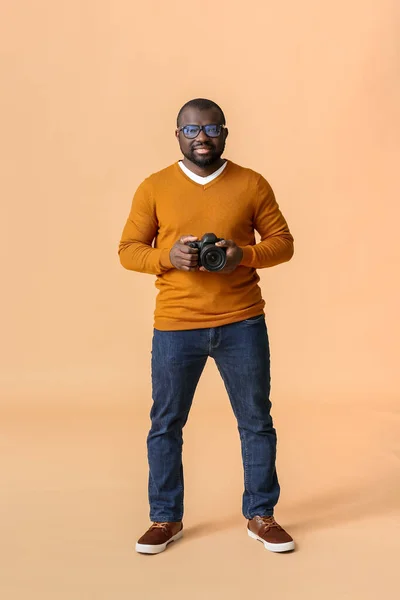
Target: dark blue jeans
column 241, row 353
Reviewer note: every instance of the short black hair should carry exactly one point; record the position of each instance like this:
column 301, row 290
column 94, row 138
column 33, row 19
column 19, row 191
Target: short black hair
column 201, row 104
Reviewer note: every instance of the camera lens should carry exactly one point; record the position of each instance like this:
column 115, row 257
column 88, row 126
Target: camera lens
column 213, row 258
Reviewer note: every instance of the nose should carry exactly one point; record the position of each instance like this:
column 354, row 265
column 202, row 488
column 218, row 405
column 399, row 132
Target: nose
column 202, row 140
column 202, row 137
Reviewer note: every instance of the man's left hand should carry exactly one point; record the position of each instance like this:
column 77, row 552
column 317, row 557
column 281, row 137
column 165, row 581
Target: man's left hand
column 233, row 256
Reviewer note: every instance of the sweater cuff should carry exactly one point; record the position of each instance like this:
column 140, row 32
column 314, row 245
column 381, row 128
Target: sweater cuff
column 248, row 255
column 165, row 261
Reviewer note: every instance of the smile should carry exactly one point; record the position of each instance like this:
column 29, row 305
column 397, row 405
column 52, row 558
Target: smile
column 202, row 150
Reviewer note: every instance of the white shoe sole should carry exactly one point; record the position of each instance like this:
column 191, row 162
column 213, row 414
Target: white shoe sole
column 156, row 549
column 272, row 547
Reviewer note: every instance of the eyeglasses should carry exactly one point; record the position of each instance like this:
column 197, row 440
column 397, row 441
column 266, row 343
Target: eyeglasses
column 192, row 131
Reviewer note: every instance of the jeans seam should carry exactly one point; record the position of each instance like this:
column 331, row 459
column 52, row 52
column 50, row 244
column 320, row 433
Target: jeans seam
column 246, row 471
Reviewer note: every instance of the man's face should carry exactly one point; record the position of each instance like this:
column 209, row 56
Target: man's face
column 202, row 150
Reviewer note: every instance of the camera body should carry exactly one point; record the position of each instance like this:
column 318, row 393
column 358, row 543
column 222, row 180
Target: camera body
column 211, row 257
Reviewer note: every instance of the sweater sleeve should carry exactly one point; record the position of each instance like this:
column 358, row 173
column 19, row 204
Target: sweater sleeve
column 276, row 245
column 136, row 252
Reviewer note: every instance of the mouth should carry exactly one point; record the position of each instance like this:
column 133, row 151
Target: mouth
column 202, row 149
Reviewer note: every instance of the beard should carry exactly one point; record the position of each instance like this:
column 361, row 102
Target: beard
column 204, row 161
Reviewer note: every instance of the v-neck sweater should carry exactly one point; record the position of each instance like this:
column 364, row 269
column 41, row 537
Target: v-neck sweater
column 168, row 205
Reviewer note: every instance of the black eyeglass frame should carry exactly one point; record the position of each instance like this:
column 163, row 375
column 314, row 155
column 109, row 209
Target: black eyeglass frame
column 202, row 128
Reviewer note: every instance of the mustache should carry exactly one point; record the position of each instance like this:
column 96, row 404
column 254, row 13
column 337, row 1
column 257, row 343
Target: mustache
column 194, row 146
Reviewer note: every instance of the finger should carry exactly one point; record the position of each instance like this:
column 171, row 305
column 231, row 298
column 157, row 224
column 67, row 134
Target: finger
column 188, row 250
column 187, row 238
column 190, row 259
column 189, row 262
column 226, row 243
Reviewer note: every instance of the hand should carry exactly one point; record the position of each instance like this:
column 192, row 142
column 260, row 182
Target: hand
column 182, row 256
column 234, row 255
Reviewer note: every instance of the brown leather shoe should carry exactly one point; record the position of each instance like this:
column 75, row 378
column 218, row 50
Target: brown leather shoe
column 272, row 535
column 158, row 536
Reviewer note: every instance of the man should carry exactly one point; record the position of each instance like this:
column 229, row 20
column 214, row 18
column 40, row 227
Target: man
column 201, row 313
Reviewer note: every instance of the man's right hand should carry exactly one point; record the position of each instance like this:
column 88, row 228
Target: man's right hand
column 182, row 256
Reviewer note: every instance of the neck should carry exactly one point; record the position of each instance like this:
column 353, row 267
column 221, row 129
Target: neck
column 203, row 171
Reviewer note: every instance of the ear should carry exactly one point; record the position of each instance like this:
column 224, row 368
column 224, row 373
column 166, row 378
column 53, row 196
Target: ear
column 226, row 132
column 177, row 134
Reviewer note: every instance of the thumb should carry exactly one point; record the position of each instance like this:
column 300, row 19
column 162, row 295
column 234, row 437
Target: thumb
column 225, row 243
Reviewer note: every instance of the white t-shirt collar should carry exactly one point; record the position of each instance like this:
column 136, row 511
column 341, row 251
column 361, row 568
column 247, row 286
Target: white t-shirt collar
column 198, row 178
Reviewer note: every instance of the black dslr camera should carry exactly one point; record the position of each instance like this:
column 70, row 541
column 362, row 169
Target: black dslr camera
column 211, row 257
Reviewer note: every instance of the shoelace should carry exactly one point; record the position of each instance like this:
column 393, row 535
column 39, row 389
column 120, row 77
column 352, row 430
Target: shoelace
column 159, row 525
column 269, row 523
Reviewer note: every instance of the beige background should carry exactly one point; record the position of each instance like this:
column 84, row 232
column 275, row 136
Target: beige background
column 90, row 92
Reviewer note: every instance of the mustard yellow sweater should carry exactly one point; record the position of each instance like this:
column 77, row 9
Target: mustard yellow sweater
column 167, row 205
